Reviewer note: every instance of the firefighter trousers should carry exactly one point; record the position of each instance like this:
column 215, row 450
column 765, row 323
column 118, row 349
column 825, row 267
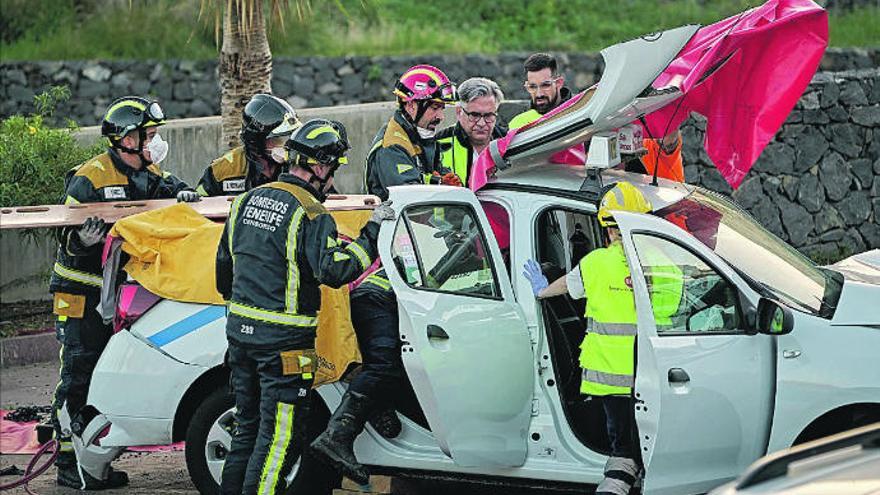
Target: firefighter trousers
column 272, row 411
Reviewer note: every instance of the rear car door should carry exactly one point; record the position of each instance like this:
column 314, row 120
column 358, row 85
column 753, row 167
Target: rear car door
column 704, row 382
column 466, row 347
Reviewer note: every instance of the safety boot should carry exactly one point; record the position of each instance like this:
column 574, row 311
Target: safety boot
column 70, row 475
column 336, row 444
column 386, row 422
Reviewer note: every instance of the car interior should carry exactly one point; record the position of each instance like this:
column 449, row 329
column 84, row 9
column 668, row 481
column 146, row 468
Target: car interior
column 563, row 238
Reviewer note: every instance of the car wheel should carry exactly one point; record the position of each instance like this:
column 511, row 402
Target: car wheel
column 208, row 439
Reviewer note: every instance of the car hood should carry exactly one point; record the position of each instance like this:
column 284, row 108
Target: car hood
column 861, row 290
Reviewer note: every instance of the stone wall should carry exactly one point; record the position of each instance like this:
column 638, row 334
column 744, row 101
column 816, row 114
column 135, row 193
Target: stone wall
column 817, row 184
column 189, row 88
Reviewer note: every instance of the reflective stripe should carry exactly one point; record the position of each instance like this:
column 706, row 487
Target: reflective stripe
column 611, row 328
column 201, row 190
column 361, row 254
column 233, row 216
column 291, row 293
column 275, row 317
column 278, row 449
column 607, row 378
column 378, row 281
column 70, row 200
column 78, row 276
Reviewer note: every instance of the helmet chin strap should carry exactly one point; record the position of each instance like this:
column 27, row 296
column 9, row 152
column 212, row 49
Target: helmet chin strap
column 315, row 177
column 142, row 134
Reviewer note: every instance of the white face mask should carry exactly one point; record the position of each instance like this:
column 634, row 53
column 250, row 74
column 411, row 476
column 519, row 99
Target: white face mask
column 426, row 133
column 158, row 149
column 279, row 155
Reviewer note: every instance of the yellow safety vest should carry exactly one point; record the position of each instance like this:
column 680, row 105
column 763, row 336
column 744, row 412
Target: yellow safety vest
column 607, row 351
column 524, row 118
column 456, row 157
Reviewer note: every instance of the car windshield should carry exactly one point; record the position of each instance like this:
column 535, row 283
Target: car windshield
column 767, row 262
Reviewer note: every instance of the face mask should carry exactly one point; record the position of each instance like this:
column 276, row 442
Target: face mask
column 279, row 155
column 426, row 133
column 158, row 149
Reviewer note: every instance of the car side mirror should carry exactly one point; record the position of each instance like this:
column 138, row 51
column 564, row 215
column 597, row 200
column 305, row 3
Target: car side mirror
column 774, row 318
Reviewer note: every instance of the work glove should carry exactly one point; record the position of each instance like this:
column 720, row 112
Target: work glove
column 532, row 273
column 92, row 231
column 450, row 179
column 187, row 196
column 383, row 212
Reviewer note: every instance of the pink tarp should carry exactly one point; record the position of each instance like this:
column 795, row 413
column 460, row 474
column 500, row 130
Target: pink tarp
column 21, row 438
column 763, row 59
column 773, row 51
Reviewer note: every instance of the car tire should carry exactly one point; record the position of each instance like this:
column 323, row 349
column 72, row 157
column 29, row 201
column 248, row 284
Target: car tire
column 208, row 439
column 209, row 436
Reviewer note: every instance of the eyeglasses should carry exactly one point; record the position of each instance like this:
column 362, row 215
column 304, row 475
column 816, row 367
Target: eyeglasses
column 474, row 117
column 545, row 85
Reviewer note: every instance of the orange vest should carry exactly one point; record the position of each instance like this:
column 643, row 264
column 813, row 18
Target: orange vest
column 670, row 164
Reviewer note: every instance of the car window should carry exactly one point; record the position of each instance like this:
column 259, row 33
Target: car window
column 755, row 253
column 687, row 294
column 441, row 247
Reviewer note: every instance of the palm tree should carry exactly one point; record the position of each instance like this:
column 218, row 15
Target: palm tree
column 245, row 66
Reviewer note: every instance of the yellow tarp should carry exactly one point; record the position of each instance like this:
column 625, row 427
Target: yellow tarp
column 173, row 251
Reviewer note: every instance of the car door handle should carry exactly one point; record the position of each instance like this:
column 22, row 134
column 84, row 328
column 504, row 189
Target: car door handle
column 435, row 332
column 791, row 353
column 678, row 375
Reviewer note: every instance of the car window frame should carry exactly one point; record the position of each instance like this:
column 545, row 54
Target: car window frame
column 409, row 231
column 739, row 294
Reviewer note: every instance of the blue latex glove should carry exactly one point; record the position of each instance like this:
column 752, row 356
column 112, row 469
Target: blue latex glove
column 532, row 272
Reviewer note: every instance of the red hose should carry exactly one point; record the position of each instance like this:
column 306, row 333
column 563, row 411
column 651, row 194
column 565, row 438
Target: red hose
column 29, row 476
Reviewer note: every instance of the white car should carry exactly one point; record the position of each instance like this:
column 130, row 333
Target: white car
column 844, row 464
column 766, row 350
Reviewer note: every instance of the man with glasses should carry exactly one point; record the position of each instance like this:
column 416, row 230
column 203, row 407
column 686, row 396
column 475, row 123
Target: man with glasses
column 405, row 149
column 128, row 170
column 546, row 88
column 477, row 115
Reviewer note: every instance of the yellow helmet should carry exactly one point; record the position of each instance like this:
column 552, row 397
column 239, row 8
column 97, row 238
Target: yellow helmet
column 622, row 197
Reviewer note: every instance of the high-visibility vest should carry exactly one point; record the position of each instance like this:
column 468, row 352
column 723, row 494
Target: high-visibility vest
column 607, row 351
column 455, row 156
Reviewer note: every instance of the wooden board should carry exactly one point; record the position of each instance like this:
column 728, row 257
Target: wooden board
column 29, row 217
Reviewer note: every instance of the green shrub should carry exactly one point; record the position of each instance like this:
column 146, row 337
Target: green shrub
column 34, row 157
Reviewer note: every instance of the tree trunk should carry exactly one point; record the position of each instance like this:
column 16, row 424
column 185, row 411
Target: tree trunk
column 245, row 63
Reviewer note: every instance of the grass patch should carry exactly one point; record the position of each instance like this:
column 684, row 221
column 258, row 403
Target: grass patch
column 162, row 29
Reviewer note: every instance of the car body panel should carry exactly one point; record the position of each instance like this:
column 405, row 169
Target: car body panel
column 821, row 368
column 727, row 423
column 139, row 390
column 477, row 422
column 191, row 333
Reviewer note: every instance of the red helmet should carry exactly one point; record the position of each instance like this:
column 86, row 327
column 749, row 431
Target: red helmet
column 425, row 82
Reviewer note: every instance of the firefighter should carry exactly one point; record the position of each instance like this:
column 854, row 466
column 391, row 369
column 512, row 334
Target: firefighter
column 266, row 123
column 128, row 170
column 608, row 350
column 477, row 124
column 278, row 246
column 405, row 149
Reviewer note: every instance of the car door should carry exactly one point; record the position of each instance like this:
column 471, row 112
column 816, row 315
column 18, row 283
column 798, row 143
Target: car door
column 704, row 381
column 466, row 347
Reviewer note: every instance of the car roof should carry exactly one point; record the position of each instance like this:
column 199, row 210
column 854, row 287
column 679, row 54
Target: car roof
column 563, row 179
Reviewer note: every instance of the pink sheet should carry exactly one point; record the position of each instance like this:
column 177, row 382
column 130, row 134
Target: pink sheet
column 21, row 438
column 773, row 51
column 769, row 55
